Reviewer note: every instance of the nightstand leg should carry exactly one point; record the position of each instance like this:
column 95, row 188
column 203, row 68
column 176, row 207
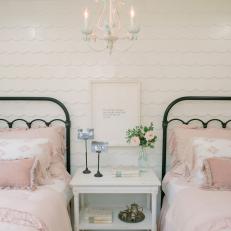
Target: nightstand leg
column 149, row 196
column 76, row 212
column 153, row 195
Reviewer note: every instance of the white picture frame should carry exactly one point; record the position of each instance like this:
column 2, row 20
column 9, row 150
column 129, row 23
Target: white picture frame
column 115, row 107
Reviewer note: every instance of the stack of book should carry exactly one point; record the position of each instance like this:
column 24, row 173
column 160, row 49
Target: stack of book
column 98, row 215
column 126, row 171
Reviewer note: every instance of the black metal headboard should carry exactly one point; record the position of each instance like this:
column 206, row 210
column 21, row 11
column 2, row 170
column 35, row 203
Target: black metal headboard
column 66, row 122
column 166, row 122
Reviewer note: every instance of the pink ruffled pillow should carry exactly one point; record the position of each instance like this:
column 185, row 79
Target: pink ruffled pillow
column 181, row 141
column 18, row 174
column 218, row 171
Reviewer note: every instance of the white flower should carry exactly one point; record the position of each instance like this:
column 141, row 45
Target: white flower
column 149, row 135
column 135, row 140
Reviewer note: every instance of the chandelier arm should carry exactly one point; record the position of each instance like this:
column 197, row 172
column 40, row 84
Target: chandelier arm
column 96, row 37
column 124, row 50
column 116, row 49
column 119, row 22
column 110, row 14
column 96, row 50
column 100, row 20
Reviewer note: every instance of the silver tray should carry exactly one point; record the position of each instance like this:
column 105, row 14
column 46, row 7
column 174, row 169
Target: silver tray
column 139, row 217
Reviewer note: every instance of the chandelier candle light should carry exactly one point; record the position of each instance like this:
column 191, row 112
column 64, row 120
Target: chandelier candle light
column 108, row 26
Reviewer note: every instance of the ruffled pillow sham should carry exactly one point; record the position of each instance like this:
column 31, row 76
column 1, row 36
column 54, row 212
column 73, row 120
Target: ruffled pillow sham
column 18, row 174
column 218, row 172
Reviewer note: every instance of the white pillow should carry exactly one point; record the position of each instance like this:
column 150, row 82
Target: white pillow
column 12, row 149
column 205, row 148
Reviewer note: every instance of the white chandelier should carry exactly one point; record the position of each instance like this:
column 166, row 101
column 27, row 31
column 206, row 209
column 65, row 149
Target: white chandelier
column 108, row 26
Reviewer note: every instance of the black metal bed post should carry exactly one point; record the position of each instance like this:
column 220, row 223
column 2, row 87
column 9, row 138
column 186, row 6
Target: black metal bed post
column 164, row 150
column 67, row 121
column 68, row 146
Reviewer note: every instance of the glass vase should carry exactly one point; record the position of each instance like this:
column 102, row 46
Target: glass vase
column 143, row 160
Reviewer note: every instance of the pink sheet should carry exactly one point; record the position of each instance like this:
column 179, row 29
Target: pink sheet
column 41, row 210
column 173, row 183
column 195, row 209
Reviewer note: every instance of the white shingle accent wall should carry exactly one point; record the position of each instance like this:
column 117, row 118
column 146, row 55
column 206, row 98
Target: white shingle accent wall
column 184, row 48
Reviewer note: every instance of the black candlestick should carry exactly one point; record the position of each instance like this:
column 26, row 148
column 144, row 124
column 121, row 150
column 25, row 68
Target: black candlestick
column 86, row 134
column 98, row 174
column 86, row 171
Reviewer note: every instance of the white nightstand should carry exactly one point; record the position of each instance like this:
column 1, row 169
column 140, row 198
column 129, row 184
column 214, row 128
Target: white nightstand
column 147, row 183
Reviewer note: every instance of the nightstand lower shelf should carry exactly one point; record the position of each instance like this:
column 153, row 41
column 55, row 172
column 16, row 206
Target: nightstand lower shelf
column 117, row 224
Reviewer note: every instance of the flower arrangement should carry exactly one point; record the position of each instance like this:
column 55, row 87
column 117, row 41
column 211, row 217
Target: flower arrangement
column 143, row 136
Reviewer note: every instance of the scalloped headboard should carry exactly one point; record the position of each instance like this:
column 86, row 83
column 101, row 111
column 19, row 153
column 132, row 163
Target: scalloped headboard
column 66, row 122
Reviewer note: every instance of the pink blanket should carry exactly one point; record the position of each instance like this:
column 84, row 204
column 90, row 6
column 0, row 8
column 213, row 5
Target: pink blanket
column 16, row 217
column 199, row 210
column 41, row 210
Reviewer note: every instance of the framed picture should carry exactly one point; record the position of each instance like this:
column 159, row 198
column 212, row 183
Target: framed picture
column 115, row 107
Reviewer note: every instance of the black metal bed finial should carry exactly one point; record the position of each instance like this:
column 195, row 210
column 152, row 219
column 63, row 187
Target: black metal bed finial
column 67, row 121
column 166, row 122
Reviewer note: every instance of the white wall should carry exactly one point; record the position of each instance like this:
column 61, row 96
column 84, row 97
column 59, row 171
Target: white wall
column 184, row 49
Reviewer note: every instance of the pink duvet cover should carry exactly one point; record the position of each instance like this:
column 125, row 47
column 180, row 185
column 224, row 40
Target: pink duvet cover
column 40, row 210
column 195, row 209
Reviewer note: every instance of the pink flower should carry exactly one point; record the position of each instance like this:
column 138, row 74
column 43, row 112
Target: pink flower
column 135, row 140
column 149, row 135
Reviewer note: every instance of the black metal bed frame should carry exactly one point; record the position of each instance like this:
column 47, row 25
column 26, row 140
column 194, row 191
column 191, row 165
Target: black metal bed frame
column 166, row 122
column 66, row 122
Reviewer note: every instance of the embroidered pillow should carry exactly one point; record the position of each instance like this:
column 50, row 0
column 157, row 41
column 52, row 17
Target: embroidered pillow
column 218, row 172
column 55, row 135
column 21, row 148
column 205, row 148
column 18, row 174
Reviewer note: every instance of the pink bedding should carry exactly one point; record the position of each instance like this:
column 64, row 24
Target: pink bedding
column 195, row 209
column 40, row 210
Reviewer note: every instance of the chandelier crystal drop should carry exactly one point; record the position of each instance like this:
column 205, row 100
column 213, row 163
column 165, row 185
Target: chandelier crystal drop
column 108, row 26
